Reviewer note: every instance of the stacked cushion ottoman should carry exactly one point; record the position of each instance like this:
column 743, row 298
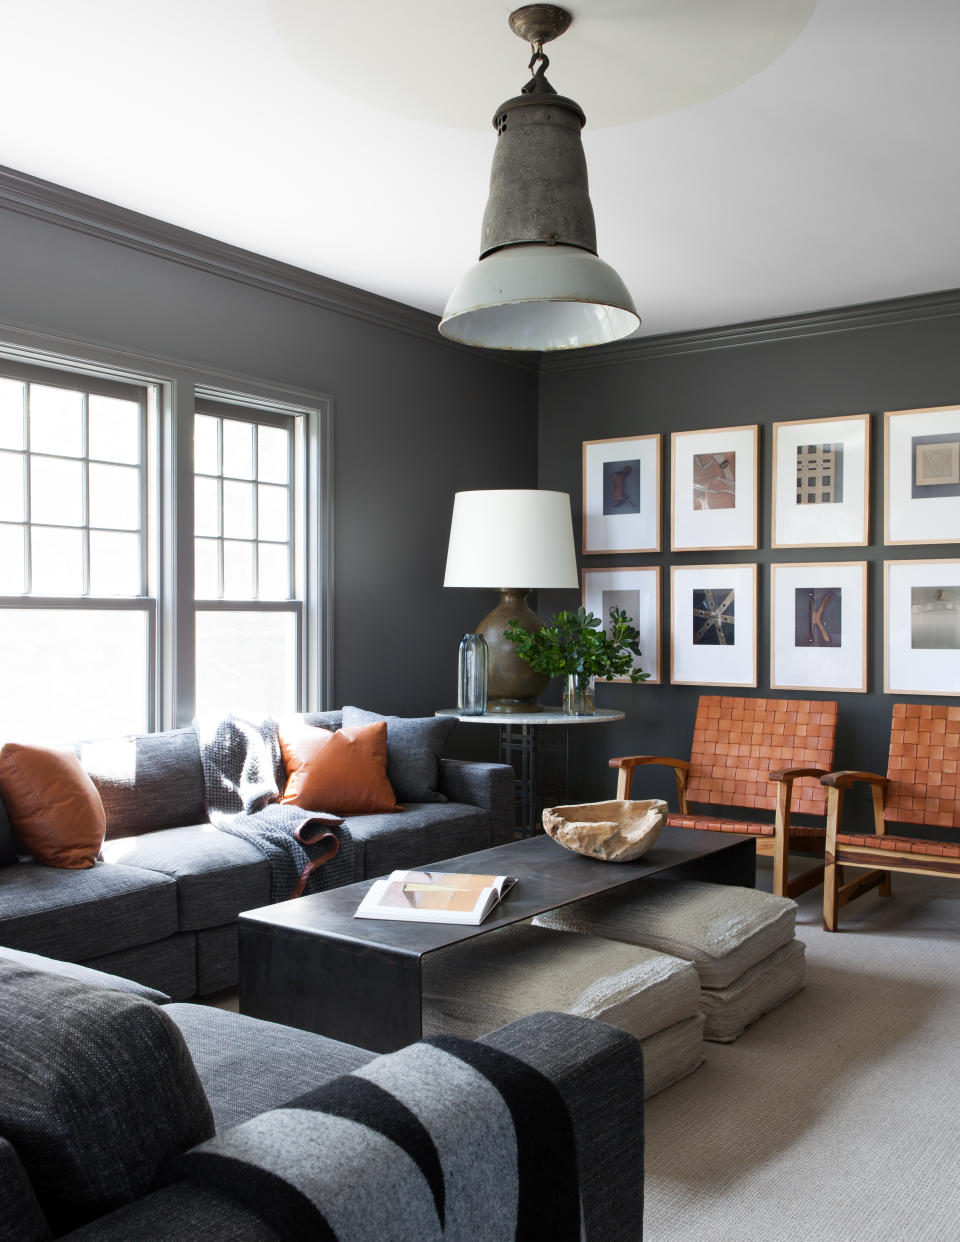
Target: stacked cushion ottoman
column 740, row 941
column 478, row 985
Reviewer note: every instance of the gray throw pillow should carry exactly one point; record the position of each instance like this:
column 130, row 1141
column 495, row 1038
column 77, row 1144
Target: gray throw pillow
column 97, row 1091
column 8, row 846
column 414, row 747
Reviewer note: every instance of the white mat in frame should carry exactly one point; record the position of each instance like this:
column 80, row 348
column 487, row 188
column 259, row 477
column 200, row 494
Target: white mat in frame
column 713, row 479
column 921, row 453
column 621, row 494
column 821, row 486
column 637, row 591
column 922, row 627
column 713, row 625
column 818, row 626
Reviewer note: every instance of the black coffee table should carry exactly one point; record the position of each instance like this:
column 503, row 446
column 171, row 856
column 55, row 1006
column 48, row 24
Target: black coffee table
column 309, row 963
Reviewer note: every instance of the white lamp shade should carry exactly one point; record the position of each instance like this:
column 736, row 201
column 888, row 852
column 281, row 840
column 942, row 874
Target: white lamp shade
column 515, row 538
column 539, row 297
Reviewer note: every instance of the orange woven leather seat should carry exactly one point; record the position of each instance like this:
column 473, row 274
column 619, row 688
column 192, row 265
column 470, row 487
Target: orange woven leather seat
column 759, row 754
column 922, row 787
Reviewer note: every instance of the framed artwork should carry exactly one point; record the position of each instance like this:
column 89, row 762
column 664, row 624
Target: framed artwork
column 821, row 482
column 713, row 478
column 921, row 456
column 621, row 495
column 637, row 592
column 818, row 626
column 922, row 610
column 713, row 625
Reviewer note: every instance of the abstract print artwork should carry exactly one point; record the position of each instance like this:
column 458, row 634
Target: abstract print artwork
column 818, row 617
column 713, row 617
column 819, row 474
column 714, row 480
column 621, row 487
column 935, row 618
column 936, row 466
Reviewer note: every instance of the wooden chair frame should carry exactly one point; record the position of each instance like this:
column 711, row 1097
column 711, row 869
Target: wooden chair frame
column 778, row 846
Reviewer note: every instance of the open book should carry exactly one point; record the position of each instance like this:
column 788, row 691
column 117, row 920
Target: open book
column 434, row 896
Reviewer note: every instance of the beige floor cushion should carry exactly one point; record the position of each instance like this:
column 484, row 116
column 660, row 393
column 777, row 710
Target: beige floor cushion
column 481, row 984
column 721, row 929
column 758, row 990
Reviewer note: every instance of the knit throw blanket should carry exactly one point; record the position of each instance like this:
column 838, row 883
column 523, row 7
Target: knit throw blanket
column 447, row 1140
column 243, row 775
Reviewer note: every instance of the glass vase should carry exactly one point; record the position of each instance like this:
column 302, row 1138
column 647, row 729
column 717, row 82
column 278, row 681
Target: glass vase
column 578, row 692
column 472, row 676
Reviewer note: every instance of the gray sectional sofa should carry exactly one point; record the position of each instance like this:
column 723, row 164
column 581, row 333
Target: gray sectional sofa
column 110, row 1099
column 162, row 906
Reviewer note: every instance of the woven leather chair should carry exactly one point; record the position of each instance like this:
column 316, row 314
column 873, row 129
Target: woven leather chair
column 922, row 786
column 750, row 753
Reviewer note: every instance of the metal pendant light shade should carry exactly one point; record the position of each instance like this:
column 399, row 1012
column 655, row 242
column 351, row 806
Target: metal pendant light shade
column 539, row 284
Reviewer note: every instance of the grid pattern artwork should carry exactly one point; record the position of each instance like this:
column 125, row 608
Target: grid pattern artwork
column 924, row 765
column 737, row 743
column 819, row 474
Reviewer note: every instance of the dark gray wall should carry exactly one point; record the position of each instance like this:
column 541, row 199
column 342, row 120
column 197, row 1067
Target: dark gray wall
column 899, row 366
column 414, row 420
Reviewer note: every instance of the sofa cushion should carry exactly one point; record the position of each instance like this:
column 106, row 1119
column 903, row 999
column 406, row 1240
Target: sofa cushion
column 247, row 1065
column 97, row 1091
column 54, row 807
column 414, row 748
column 147, row 781
column 344, row 773
column 83, row 974
column 217, row 874
column 423, row 834
column 168, row 965
column 8, row 846
column 76, row 915
column 21, row 1217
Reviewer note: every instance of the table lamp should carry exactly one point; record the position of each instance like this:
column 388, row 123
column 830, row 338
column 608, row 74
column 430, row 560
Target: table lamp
column 522, row 537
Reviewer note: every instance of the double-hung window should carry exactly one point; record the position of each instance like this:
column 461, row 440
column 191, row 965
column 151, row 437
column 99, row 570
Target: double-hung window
column 160, row 552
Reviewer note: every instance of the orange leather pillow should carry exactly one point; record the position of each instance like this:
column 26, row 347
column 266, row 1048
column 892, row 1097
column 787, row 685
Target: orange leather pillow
column 54, row 808
column 343, row 772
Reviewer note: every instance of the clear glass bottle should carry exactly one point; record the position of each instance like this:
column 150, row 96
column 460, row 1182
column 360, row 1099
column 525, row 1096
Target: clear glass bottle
column 472, row 680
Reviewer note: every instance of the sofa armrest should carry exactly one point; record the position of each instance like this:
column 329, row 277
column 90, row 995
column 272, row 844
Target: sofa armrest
column 83, row 974
column 598, row 1069
column 486, row 785
column 21, row 1217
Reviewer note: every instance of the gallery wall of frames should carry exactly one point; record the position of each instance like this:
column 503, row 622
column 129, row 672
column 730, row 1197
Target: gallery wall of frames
column 780, row 516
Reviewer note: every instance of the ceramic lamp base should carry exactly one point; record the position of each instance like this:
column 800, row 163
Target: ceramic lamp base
column 512, row 685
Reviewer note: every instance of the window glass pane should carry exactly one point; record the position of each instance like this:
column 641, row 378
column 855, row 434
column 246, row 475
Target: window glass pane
column 57, row 562
column 56, row 491
column 114, row 429
column 274, row 569
column 238, row 570
column 206, row 569
column 272, row 512
column 115, row 497
column 11, row 560
column 237, row 449
column 273, row 446
column 78, row 673
column 238, row 510
column 246, row 661
column 114, row 563
column 11, row 414
column 206, row 458
column 11, row 487
column 206, row 507
column 56, row 420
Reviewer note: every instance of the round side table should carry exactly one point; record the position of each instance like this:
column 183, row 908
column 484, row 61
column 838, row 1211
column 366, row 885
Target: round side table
column 537, row 747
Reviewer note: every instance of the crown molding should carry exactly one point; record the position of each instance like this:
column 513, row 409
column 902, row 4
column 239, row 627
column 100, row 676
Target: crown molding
column 55, row 204
column 905, row 310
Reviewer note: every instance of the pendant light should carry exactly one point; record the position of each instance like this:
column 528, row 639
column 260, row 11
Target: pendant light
column 539, row 284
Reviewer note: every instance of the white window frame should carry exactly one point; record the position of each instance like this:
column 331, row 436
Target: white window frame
column 174, row 390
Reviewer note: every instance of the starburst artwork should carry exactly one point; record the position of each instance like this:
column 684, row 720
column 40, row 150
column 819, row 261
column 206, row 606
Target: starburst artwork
column 713, row 617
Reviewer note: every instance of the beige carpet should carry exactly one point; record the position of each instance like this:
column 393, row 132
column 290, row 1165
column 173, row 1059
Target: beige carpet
column 836, row 1118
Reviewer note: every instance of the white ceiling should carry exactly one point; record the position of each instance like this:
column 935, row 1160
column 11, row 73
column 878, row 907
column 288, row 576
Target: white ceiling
column 819, row 169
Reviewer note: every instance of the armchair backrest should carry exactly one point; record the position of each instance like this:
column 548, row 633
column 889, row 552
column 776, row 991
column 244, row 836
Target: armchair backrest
column 924, row 765
column 737, row 743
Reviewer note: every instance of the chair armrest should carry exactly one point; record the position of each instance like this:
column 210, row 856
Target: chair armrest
column 636, row 761
column 489, row 786
column 843, row 780
column 794, row 774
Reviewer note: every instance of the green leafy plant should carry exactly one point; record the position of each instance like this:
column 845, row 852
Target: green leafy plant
column 575, row 642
